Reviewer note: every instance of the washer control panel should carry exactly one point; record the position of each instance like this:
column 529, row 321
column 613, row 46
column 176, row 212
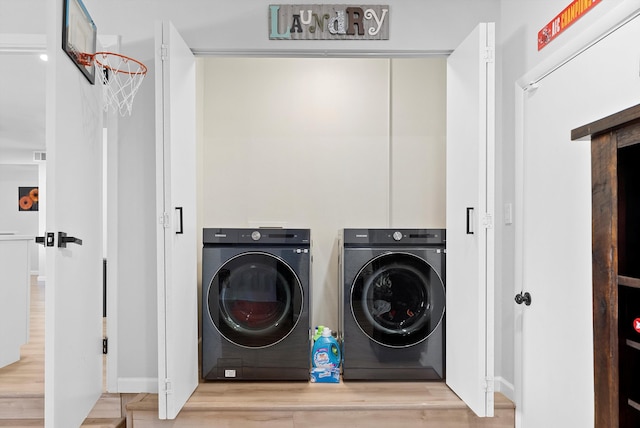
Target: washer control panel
column 264, row 236
column 376, row 237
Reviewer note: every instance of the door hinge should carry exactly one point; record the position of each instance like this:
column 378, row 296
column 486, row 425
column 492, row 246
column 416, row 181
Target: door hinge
column 164, row 220
column 105, row 345
column 488, row 54
column 487, row 221
column 488, row 384
column 166, row 386
column 164, row 51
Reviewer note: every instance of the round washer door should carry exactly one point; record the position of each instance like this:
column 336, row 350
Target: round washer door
column 397, row 299
column 255, row 299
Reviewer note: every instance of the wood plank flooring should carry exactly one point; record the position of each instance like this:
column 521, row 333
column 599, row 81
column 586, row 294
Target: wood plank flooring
column 248, row 404
column 22, row 383
column 302, row 404
column 26, row 376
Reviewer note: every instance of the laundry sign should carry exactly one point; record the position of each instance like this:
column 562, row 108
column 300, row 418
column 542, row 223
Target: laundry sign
column 563, row 20
column 328, row 22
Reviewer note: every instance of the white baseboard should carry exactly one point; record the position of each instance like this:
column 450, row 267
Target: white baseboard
column 506, row 388
column 41, row 279
column 132, row 385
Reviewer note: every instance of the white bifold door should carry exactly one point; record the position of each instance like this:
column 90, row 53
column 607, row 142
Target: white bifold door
column 470, row 208
column 176, row 205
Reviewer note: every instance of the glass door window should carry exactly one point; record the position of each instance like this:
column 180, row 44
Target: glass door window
column 398, row 299
column 255, row 299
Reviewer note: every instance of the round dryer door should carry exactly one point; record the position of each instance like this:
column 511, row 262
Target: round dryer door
column 255, row 300
column 398, row 299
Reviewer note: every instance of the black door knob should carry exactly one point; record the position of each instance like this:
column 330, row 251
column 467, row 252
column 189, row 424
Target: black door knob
column 523, row 298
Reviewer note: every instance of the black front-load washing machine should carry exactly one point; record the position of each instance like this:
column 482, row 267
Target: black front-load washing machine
column 255, row 304
column 393, row 304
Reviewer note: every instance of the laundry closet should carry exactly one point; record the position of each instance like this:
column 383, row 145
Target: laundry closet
column 325, row 144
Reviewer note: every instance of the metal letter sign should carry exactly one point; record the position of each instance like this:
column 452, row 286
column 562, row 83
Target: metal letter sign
column 328, row 22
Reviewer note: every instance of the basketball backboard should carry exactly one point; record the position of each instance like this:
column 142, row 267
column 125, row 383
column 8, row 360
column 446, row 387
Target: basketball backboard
column 79, row 37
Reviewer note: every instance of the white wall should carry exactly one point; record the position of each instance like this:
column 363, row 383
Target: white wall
column 231, row 26
column 20, row 222
column 308, row 143
column 26, row 17
column 418, row 143
column 137, row 336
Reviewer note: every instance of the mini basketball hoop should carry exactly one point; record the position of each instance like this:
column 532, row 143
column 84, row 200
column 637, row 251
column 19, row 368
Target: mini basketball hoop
column 121, row 77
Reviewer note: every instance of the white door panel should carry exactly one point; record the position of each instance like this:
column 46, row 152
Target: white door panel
column 73, row 297
column 176, row 190
column 470, row 190
column 555, row 267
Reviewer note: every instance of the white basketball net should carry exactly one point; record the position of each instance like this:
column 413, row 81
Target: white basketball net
column 121, row 77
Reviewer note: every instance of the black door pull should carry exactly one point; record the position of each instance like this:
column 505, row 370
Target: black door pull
column 63, row 240
column 469, row 220
column 179, row 230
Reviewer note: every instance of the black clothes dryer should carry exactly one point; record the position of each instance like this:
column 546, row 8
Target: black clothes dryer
column 393, row 304
column 255, row 304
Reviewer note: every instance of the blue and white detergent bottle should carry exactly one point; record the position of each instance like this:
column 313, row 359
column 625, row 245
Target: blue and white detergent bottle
column 326, row 357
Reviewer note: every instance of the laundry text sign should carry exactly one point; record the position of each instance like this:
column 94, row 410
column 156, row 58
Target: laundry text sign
column 328, row 22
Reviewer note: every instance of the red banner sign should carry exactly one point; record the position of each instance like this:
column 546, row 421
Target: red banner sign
column 568, row 16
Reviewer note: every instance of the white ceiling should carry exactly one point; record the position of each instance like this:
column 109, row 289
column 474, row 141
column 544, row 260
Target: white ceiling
column 22, row 102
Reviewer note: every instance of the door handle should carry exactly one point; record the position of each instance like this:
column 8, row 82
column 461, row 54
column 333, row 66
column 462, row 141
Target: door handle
column 523, row 298
column 46, row 240
column 179, row 228
column 469, row 215
column 63, row 240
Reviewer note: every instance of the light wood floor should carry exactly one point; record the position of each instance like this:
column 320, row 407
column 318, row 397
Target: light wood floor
column 266, row 404
column 26, row 376
column 22, row 383
column 304, row 405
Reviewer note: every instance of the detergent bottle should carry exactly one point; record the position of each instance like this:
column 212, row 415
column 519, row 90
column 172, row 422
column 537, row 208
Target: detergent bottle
column 326, row 351
column 318, row 333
